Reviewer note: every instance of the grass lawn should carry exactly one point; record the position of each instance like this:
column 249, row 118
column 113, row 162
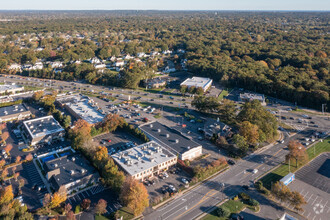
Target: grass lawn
column 223, row 94
column 101, row 217
column 235, row 206
column 125, row 212
column 283, row 170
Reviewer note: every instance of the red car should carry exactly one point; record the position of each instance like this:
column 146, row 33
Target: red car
column 109, row 141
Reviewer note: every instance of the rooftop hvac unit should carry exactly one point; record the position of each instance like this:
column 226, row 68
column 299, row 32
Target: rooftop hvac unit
column 22, row 110
column 31, row 126
column 53, row 123
column 151, row 125
column 167, row 135
column 73, row 158
column 188, row 147
column 176, row 141
column 44, row 129
column 158, row 130
column 71, row 172
column 40, row 125
column 83, row 170
column 55, row 165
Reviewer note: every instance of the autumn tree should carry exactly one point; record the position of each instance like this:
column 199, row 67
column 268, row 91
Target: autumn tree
column 80, row 133
column 70, row 216
column 67, row 207
column 37, row 95
column 111, row 122
column 85, row 204
column 6, row 194
column 249, row 132
column 4, row 136
column 134, row 195
column 297, row 200
column 4, row 173
column 8, row 148
column 281, row 191
column 29, row 157
column 297, row 152
column 18, row 159
column 46, row 202
column 2, row 163
column 16, row 175
column 101, row 207
column 58, row 197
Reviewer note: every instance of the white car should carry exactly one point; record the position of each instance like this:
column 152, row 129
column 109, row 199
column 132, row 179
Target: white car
column 185, row 181
column 254, row 171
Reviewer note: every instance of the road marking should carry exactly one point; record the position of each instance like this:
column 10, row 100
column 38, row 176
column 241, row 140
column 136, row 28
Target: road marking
column 201, row 201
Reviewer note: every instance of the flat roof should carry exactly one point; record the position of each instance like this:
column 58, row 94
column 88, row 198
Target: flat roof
column 252, row 96
column 6, row 87
column 142, row 157
column 42, row 126
column 13, row 109
column 169, row 137
column 72, row 168
column 83, row 107
column 197, row 82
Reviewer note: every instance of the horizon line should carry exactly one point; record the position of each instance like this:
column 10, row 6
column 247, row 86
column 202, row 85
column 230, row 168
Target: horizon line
column 192, row 10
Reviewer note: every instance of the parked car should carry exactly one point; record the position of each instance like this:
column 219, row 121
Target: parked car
column 254, row 171
column 245, row 187
column 185, row 181
column 231, row 162
column 147, row 183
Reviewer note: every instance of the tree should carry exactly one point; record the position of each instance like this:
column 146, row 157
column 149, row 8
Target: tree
column 46, row 201
column 67, row 208
column 4, row 173
column 4, row 136
column 80, row 133
column 297, row 152
column 85, row 204
column 2, row 163
column 18, row 159
column 134, row 195
column 249, row 132
column 16, row 175
column 37, row 95
column 281, row 191
column 21, row 183
column 29, row 157
column 111, row 122
column 183, row 89
column 55, row 200
column 6, row 194
column 297, row 200
column 227, row 111
column 240, row 142
column 8, row 148
column 199, row 91
column 223, row 212
column 67, row 121
column 205, row 104
column 70, row 216
column 101, row 207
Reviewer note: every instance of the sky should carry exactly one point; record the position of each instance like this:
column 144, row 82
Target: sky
column 165, row 4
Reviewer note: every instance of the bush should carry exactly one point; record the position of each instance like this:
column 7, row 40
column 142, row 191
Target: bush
column 244, row 196
column 253, row 202
column 223, row 212
column 77, row 209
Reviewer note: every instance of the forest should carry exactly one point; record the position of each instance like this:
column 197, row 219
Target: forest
column 280, row 54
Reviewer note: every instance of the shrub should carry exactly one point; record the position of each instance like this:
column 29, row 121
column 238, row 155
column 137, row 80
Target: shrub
column 253, row 202
column 223, row 212
column 244, row 196
column 77, row 209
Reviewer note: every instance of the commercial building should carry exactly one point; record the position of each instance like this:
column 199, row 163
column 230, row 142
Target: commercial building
column 82, row 107
column 156, row 83
column 73, row 172
column 145, row 161
column 173, row 140
column 42, row 130
column 14, row 112
column 247, row 97
column 5, row 99
column 198, row 82
column 10, row 88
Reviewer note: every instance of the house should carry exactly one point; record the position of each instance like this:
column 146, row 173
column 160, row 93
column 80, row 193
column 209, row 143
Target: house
column 166, row 52
column 145, row 161
column 16, row 67
column 128, row 57
column 198, row 82
column 42, row 130
column 56, row 64
column 14, row 112
column 248, row 97
column 71, row 171
column 141, row 54
column 95, row 60
column 156, row 83
column 119, row 63
column 173, row 140
column 38, row 66
column 99, row 66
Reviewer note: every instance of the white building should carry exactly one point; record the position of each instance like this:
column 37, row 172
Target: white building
column 144, row 161
column 10, row 88
column 198, row 82
column 15, row 66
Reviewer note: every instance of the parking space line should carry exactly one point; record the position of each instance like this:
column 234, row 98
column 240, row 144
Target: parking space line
column 315, row 199
column 310, row 198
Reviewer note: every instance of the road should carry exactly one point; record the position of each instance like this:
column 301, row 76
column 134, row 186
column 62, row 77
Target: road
column 208, row 194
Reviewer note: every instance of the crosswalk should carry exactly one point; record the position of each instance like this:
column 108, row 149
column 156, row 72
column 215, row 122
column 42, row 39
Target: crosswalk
column 298, row 127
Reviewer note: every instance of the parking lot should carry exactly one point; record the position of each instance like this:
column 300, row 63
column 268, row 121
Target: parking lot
column 31, row 193
column 117, row 141
column 312, row 182
column 96, row 193
column 161, row 185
